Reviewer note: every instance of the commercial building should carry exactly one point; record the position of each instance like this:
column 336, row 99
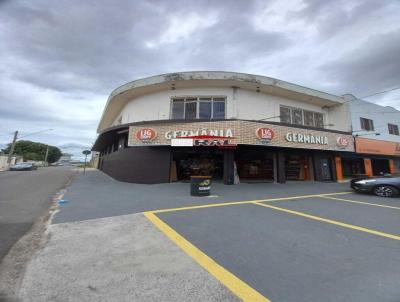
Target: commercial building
column 228, row 125
column 377, row 140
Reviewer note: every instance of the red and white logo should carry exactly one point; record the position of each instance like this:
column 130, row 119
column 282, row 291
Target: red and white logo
column 146, row 134
column 265, row 133
column 342, row 142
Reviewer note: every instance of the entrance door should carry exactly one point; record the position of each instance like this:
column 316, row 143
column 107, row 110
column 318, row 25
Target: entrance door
column 380, row 166
column 326, row 173
column 206, row 161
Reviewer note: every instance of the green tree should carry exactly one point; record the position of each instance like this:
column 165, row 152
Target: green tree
column 35, row 151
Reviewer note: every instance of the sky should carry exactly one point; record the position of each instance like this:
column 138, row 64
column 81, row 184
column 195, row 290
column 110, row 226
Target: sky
column 60, row 60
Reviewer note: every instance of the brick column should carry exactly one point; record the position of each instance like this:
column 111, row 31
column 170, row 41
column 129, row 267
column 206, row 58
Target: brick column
column 368, row 166
column 339, row 170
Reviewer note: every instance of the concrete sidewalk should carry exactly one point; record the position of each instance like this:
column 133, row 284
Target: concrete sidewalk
column 122, row 258
column 96, row 195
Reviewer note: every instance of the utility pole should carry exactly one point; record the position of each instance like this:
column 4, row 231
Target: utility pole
column 47, row 154
column 10, row 154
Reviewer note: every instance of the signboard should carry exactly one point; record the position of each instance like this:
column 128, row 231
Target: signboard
column 230, row 133
column 304, row 138
column 342, row 142
column 182, row 142
column 211, row 142
column 146, row 134
column 265, row 135
column 374, row 146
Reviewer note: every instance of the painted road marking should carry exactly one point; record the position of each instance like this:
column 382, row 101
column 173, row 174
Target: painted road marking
column 243, row 202
column 338, row 223
column 362, row 202
column 233, row 283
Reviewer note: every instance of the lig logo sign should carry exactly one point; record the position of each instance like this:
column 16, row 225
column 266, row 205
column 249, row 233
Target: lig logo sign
column 265, row 134
column 146, row 134
column 342, row 142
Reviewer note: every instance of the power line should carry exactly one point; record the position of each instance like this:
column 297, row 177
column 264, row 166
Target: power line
column 384, row 91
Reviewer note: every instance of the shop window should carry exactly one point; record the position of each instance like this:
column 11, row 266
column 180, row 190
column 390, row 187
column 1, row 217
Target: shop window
column 299, row 116
column 393, row 129
column 198, row 108
column 367, row 124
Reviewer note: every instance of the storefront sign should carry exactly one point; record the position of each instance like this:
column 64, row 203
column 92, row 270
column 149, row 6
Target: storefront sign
column 265, row 134
column 146, row 134
column 374, row 146
column 199, row 132
column 342, row 142
column 229, row 133
column 213, row 143
column 306, row 138
column 182, row 142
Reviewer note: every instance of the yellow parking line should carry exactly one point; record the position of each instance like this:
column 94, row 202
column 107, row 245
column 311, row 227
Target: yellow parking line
column 338, row 223
column 362, row 202
column 243, row 202
column 237, row 286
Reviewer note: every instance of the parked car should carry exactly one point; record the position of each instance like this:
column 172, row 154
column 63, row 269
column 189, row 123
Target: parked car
column 380, row 186
column 23, row 167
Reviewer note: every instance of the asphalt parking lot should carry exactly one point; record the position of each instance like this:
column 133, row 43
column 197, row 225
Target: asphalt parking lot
column 256, row 242
column 335, row 247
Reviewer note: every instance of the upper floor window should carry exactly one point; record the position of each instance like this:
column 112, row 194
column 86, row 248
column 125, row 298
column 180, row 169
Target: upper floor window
column 367, row 124
column 393, row 129
column 298, row 116
column 191, row 108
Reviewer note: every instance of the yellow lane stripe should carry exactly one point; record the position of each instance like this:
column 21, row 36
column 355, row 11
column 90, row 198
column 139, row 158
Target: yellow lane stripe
column 237, row 286
column 338, row 223
column 362, row 202
column 243, row 202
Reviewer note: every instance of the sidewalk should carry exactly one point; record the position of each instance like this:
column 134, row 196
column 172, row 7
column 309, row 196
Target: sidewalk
column 122, row 258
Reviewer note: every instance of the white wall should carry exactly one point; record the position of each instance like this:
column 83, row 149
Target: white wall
column 241, row 104
column 382, row 116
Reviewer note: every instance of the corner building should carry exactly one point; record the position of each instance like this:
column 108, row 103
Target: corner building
column 229, row 125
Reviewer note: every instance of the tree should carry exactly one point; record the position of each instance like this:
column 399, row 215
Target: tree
column 35, row 151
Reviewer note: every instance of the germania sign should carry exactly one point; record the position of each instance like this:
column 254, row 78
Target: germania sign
column 199, row 132
column 306, row 138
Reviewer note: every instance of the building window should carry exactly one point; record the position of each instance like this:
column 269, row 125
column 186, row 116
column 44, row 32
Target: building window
column 298, row 116
column 285, row 115
column 367, row 124
column 393, row 129
column 191, row 108
column 178, row 109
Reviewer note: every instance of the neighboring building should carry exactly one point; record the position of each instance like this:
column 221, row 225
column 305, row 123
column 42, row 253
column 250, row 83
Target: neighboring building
column 4, row 166
column 168, row 127
column 65, row 159
column 377, row 139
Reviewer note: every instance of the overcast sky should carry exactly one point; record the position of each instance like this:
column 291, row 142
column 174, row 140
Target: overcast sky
column 59, row 60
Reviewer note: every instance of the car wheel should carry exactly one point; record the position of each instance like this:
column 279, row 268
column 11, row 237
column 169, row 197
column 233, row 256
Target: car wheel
column 385, row 191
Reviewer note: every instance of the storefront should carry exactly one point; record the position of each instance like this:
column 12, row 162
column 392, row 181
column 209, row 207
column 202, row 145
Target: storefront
column 372, row 158
column 246, row 150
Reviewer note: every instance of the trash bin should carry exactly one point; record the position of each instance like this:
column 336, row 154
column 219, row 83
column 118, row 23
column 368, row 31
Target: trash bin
column 200, row 185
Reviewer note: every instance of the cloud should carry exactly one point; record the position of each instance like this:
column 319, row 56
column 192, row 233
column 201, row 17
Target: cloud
column 60, row 60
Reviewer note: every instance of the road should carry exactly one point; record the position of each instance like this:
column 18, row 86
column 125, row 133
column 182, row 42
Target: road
column 24, row 197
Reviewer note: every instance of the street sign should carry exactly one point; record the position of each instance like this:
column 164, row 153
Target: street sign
column 86, row 152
